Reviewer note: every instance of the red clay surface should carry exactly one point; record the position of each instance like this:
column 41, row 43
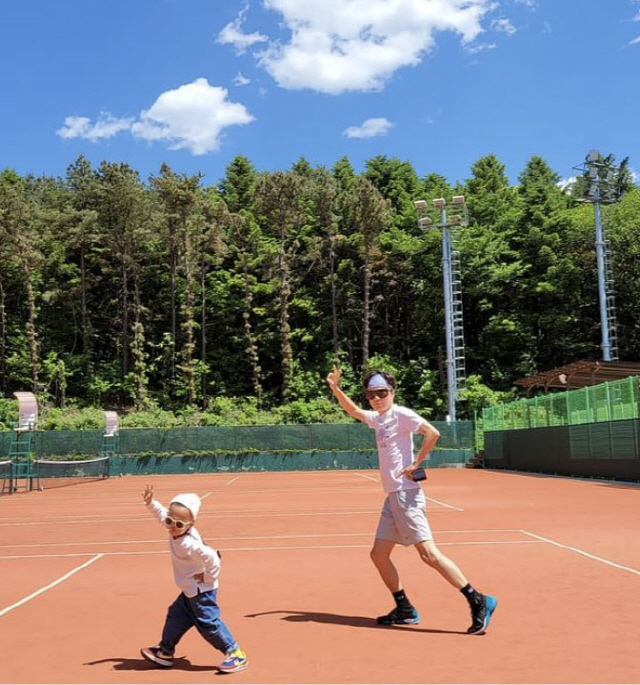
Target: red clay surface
column 86, row 580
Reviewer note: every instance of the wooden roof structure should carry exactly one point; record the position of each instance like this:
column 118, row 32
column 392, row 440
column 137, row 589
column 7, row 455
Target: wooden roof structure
column 580, row 374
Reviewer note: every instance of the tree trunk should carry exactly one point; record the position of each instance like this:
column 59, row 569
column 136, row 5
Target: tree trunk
column 334, row 298
column 366, row 309
column 125, row 317
column 252, row 348
column 285, row 328
column 3, row 339
column 32, row 335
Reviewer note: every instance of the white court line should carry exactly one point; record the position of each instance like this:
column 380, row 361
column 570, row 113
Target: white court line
column 362, row 475
column 443, row 504
column 223, row 515
column 205, row 496
column 6, row 610
column 233, row 480
column 266, row 549
column 582, row 552
column 159, row 541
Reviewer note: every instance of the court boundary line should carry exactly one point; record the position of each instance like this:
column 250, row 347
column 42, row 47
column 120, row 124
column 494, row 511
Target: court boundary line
column 67, row 575
column 251, row 537
column 577, row 550
column 264, row 549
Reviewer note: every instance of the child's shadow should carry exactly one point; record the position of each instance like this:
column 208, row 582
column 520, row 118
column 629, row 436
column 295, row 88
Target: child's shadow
column 130, row 664
column 342, row 620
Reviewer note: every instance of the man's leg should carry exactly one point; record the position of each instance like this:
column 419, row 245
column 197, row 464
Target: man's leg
column 482, row 606
column 404, row 611
column 381, row 557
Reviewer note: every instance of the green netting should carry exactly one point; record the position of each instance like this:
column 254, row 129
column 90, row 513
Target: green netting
column 613, row 401
column 301, row 438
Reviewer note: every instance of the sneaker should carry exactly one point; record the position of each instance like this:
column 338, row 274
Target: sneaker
column 481, row 615
column 233, row 661
column 399, row 616
column 156, row 656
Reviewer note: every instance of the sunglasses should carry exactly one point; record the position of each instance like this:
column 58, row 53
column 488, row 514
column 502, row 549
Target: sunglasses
column 379, row 394
column 170, row 522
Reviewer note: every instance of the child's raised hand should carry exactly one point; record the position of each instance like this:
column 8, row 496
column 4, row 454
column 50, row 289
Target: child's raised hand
column 147, row 495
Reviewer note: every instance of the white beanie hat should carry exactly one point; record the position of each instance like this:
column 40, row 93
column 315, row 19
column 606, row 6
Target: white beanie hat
column 189, row 500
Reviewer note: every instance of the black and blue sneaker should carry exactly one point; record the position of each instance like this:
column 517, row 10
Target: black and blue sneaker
column 481, row 615
column 399, row 616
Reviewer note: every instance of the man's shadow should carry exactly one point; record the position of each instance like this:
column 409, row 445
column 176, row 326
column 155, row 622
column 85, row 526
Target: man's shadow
column 342, row 620
column 131, row 664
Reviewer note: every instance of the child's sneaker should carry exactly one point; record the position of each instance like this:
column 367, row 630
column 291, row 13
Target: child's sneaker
column 236, row 660
column 156, row 656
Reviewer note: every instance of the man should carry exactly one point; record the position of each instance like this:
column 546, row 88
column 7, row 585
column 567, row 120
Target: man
column 403, row 519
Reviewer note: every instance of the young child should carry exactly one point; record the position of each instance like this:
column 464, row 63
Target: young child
column 196, row 568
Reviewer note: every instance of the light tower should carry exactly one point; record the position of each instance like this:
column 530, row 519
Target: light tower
column 446, row 216
column 602, row 184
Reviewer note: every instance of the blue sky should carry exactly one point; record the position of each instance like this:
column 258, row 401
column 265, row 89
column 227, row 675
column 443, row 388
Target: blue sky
column 439, row 83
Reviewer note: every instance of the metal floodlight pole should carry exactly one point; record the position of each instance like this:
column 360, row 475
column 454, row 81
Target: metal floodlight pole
column 444, row 224
column 602, row 291
column 600, row 190
column 447, row 283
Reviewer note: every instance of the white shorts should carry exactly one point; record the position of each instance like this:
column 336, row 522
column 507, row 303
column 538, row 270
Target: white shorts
column 404, row 519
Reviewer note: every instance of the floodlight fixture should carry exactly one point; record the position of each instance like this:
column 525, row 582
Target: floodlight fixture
column 457, row 200
column 439, row 203
column 454, row 219
column 420, row 205
column 593, row 156
column 425, row 222
column 593, row 172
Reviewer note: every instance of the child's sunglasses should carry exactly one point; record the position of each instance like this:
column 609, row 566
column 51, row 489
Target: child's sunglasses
column 380, row 394
column 170, row 522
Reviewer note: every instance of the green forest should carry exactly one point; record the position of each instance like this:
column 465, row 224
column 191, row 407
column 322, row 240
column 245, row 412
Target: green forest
column 177, row 302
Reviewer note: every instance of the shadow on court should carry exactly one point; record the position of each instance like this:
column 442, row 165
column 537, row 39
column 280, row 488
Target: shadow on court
column 129, row 664
column 342, row 620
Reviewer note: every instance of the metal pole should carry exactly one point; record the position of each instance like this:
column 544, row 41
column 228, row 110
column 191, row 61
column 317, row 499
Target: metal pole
column 606, row 344
column 448, row 315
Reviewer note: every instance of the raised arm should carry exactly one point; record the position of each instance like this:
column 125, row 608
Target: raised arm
column 333, row 379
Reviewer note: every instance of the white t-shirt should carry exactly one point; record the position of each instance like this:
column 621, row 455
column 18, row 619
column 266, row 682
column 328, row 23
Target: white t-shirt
column 190, row 556
column 394, row 438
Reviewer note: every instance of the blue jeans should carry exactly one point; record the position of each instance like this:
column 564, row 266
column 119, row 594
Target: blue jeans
column 201, row 611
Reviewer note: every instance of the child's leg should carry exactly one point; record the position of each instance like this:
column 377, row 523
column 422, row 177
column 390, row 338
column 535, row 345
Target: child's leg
column 179, row 620
column 213, row 629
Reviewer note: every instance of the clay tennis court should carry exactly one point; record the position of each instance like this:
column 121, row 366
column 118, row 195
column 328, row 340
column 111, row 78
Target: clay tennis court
column 86, row 580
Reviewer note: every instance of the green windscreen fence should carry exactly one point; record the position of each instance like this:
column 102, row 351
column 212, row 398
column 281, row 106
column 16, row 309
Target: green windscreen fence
column 455, row 437
column 613, row 401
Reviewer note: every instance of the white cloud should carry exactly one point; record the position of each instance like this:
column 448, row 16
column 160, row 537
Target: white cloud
column 480, row 47
column 503, row 26
column 191, row 117
column 232, row 34
column 529, row 3
column 106, row 126
column 634, row 41
column 241, row 80
column 567, row 184
column 369, row 128
column 357, row 45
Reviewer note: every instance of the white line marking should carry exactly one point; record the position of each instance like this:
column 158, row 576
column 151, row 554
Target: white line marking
column 6, row 610
column 233, row 480
column 162, row 541
column 362, row 475
column 582, row 552
column 442, row 504
column 265, row 549
column 205, row 496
